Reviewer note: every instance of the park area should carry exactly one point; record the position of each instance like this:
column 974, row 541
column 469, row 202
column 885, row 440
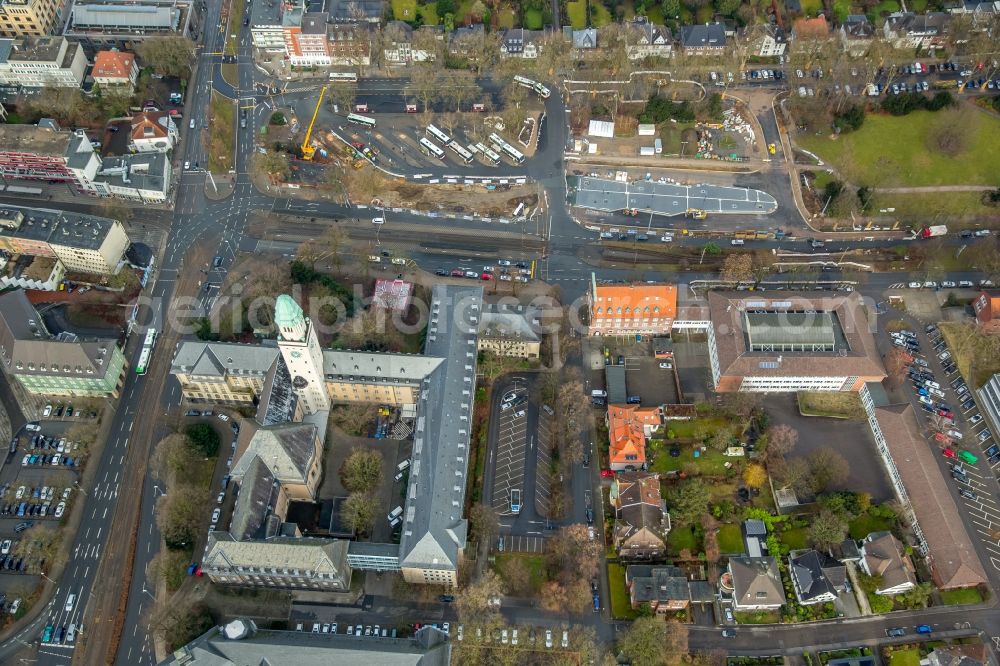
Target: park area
column 950, row 147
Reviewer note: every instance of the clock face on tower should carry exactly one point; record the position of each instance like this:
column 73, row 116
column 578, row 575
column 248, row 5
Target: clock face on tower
column 296, row 354
column 300, row 382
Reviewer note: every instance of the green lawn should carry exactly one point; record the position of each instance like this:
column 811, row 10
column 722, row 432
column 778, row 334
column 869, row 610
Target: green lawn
column 811, row 7
column 536, row 565
column 928, row 206
column 577, row 12
column 621, row 606
column 429, row 13
column 967, row 595
column 683, row 538
column 599, row 14
column 758, row 617
column 655, row 14
column 910, row 657
column 730, row 539
column 404, row 10
column 887, row 7
column 533, row 19
column 507, row 19
column 686, row 429
column 710, row 463
column 865, row 524
column 671, row 135
column 892, row 151
column 794, row 538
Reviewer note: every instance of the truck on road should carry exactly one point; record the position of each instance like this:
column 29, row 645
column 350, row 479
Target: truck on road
column 934, row 231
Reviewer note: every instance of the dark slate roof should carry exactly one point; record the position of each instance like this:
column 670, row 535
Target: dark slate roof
column 710, row 35
column 816, row 574
column 666, row 583
column 253, row 503
column 755, row 527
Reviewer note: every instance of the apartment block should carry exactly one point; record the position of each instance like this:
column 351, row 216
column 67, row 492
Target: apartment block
column 84, row 243
column 638, row 309
column 30, row 152
column 30, row 17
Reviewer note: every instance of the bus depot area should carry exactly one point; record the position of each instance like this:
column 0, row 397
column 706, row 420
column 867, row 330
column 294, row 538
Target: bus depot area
column 667, row 198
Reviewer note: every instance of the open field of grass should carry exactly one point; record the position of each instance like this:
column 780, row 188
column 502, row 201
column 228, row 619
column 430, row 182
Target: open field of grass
column 709, row 463
column 930, row 206
column 404, row 10
column 794, row 538
column 730, row 539
column 429, row 13
column 621, row 607
column 968, row 595
column 533, row 19
column 576, row 10
column 683, row 538
column 535, row 565
column 599, row 14
column 837, row 404
column 975, row 354
column 892, row 151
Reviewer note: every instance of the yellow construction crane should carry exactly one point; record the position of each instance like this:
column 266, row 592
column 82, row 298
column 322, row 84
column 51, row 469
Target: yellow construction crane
column 307, row 149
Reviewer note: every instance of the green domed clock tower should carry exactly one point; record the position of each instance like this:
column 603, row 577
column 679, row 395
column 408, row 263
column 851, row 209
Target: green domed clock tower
column 302, row 354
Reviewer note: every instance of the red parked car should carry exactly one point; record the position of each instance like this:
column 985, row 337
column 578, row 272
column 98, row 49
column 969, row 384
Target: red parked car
column 946, row 413
column 948, row 453
column 941, row 437
column 607, row 473
column 457, row 273
column 486, row 276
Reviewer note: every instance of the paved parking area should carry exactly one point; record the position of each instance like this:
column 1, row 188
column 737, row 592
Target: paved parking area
column 852, row 439
column 516, row 543
column 543, row 465
column 669, row 199
column 510, row 446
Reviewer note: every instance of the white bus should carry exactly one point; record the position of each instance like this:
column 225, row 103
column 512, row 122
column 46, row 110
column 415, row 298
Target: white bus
column 542, row 91
column 490, row 154
column 507, row 149
column 360, row 120
column 435, row 133
column 147, row 351
column 457, row 148
column 430, row 149
column 343, row 77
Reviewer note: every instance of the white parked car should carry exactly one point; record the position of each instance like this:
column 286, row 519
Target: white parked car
column 223, row 417
column 215, row 515
column 548, row 638
column 913, row 285
column 503, row 262
column 954, row 434
column 666, row 366
column 60, row 509
column 948, row 284
column 47, row 410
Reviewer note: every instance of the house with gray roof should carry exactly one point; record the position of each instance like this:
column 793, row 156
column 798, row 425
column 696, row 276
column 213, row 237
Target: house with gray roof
column 707, row 39
column 291, row 451
column 756, row 583
column 64, row 365
column 664, row 588
column 816, row 577
column 520, row 43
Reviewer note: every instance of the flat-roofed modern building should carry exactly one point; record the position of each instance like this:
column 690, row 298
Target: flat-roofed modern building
column 64, row 365
column 30, row 152
column 84, row 243
column 42, row 62
column 798, row 342
column 110, row 22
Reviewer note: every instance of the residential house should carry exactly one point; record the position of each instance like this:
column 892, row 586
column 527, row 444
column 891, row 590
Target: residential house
column 816, row 577
column 41, row 62
column 971, row 654
column 153, row 132
column 665, row 588
column 115, row 69
column 756, row 583
column 882, row 555
column 628, row 428
column 399, row 50
column 638, row 309
column 707, row 39
column 754, row 537
column 987, row 308
column 909, row 31
column 350, row 45
column 520, row 43
column 358, row 11
column 856, row 35
column 810, row 29
column 582, row 41
column 464, row 41
column 648, row 40
column 55, row 365
column 641, row 519
column 766, row 41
